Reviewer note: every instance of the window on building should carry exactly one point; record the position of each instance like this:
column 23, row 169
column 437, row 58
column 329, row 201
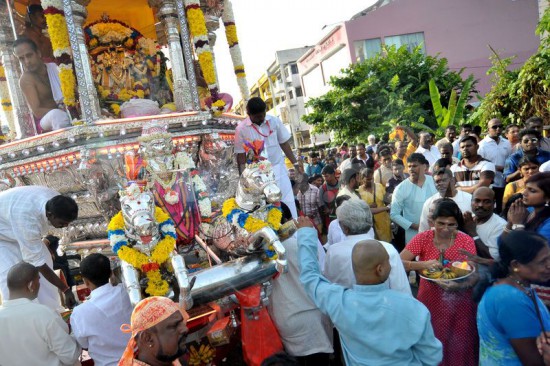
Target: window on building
column 367, row 48
column 291, row 94
column 411, row 41
column 299, row 92
column 293, row 68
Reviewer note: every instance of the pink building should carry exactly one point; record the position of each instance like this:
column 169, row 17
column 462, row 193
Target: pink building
column 460, row 31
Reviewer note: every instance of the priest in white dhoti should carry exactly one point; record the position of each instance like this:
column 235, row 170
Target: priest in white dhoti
column 41, row 87
column 260, row 126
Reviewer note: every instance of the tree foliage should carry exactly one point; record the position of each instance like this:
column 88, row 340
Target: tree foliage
column 521, row 93
column 375, row 95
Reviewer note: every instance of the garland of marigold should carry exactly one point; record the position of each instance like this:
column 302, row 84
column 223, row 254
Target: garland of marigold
column 228, row 19
column 236, row 216
column 199, row 32
column 59, row 36
column 150, row 265
column 5, row 99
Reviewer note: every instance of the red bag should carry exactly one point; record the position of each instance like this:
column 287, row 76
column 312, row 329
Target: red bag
column 259, row 336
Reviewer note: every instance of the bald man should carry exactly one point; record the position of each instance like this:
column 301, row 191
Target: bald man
column 37, row 334
column 399, row 327
column 483, row 224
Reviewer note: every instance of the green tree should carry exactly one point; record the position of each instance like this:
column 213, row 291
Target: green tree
column 376, row 95
column 521, row 93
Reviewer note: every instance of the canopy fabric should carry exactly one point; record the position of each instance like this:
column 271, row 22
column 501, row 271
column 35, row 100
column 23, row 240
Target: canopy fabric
column 135, row 13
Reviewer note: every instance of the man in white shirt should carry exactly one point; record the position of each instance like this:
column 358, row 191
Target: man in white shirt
column 348, row 184
column 472, row 171
column 96, row 322
column 496, row 149
column 430, row 152
column 346, row 163
column 355, row 220
column 260, row 126
column 32, row 334
column 450, row 136
column 26, row 215
column 335, row 233
column 306, row 333
column 486, row 226
column 445, row 184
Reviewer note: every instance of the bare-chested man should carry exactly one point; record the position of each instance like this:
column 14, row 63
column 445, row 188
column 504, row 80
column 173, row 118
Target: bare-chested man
column 41, row 87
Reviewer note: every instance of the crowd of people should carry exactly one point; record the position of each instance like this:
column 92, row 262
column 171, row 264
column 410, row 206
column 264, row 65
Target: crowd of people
column 370, row 218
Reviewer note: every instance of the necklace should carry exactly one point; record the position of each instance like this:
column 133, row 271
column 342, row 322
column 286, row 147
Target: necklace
column 170, row 196
column 268, row 126
column 442, row 248
column 524, row 288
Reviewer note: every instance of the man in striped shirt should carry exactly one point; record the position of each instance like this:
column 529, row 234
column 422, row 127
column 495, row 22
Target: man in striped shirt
column 472, row 171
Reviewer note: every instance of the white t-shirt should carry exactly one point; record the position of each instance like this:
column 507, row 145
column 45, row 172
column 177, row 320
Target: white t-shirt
column 489, row 232
column 545, row 167
column 338, row 268
column 431, row 155
column 462, row 199
column 272, row 131
column 96, row 324
column 467, row 177
column 496, row 154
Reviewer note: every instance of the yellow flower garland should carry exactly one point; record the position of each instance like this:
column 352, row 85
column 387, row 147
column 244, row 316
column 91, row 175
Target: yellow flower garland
column 253, row 224
column 156, row 285
column 59, row 37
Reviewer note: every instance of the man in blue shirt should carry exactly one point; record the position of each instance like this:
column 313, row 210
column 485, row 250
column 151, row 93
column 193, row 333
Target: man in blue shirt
column 529, row 140
column 377, row 326
column 316, row 165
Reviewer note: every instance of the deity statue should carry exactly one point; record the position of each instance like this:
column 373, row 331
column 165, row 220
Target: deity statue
column 174, row 181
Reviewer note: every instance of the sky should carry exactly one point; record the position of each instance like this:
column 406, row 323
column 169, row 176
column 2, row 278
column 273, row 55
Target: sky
column 265, row 26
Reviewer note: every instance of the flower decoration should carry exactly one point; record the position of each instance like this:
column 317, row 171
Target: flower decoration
column 149, row 265
column 59, row 37
column 238, row 217
column 199, row 32
column 111, row 32
column 228, row 19
column 7, row 108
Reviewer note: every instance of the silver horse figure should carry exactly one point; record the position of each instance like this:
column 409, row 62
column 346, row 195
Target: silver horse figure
column 257, row 189
column 141, row 228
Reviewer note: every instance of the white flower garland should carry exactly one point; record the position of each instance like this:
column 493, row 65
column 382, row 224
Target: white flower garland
column 5, row 99
column 228, row 19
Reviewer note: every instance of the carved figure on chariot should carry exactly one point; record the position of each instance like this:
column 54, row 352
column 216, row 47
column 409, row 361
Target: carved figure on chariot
column 173, row 179
column 126, row 65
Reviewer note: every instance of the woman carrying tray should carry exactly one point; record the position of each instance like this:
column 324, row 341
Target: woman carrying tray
column 450, row 303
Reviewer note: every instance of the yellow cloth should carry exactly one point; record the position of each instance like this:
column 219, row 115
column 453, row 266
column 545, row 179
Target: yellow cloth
column 147, row 313
column 411, row 147
column 512, row 188
column 382, row 219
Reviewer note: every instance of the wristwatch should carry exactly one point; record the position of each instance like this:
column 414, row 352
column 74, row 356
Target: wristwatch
column 518, row 226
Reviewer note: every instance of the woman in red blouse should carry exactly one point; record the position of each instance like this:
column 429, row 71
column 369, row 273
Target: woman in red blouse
column 450, row 304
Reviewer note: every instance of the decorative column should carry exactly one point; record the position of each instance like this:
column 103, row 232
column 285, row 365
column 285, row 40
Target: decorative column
column 182, row 93
column 188, row 55
column 75, row 14
column 24, row 123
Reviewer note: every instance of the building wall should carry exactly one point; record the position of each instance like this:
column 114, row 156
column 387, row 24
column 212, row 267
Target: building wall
column 458, row 30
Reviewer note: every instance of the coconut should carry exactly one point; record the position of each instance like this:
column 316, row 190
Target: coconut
column 461, row 269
